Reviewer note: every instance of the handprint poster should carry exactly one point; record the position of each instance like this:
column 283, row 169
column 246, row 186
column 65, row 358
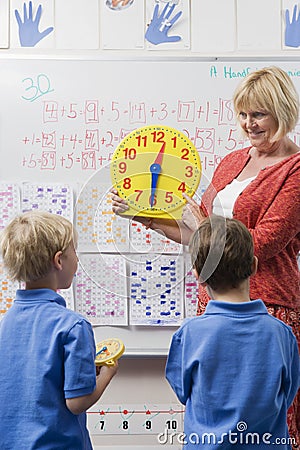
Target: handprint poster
column 291, row 25
column 168, row 25
column 31, row 23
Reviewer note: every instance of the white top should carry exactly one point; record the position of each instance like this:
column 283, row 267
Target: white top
column 224, row 201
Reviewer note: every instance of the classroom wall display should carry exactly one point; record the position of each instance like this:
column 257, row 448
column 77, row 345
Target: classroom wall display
column 145, row 26
column 60, row 122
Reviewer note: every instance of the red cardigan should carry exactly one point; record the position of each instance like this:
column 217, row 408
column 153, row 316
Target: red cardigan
column 270, row 207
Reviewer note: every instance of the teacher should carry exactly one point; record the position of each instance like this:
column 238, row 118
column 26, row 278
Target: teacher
column 260, row 186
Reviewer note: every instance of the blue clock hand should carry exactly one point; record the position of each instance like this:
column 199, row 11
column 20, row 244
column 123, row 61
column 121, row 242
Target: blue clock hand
column 155, row 170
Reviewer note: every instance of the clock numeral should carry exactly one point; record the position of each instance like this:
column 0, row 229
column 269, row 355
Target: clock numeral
column 185, row 153
column 158, row 136
column 127, row 183
column 154, row 200
column 174, row 139
column 122, row 167
column 189, row 171
column 169, row 197
column 139, row 193
column 130, row 153
column 141, row 138
column 181, row 187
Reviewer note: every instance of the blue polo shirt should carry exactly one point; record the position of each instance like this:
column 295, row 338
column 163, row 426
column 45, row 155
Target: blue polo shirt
column 47, row 354
column 236, row 368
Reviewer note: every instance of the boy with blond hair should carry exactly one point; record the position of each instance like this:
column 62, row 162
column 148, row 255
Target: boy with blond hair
column 47, row 373
column 236, row 368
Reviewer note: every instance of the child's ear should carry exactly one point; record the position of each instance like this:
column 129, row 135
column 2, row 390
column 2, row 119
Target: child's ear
column 57, row 261
column 254, row 265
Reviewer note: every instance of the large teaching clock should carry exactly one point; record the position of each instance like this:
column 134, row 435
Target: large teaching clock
column 152, row 167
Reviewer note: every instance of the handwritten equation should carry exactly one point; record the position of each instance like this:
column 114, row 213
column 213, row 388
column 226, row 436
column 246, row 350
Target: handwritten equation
column 82, row 134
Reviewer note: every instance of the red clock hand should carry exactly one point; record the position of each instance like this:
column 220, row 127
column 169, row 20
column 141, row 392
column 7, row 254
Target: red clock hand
column 155, row 170
column 159, row 157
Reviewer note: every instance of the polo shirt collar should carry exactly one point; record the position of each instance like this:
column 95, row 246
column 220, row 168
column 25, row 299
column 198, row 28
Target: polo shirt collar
column 252, row 307
column 39, row 295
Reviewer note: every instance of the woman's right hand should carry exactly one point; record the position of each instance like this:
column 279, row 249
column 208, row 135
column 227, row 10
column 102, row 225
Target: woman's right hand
column 119, row 205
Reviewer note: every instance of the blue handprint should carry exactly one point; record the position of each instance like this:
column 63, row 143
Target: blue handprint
column 292, row 29
column 157, row 31
column 29, row 29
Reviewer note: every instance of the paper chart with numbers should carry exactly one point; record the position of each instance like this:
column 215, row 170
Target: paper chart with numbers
column 9, row 202
column 55, row 198
column 190, row 288
column 143, row 240
column 100, row 289
column 156, row 289
column 7, row 290
column 98, row 227
column 135, row 419
column 68, row 295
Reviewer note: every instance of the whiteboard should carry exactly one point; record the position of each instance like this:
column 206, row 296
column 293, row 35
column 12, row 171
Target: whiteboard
column 61, row 119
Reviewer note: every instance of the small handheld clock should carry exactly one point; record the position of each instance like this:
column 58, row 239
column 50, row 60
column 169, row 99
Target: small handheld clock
column 108, row 351
column 152, row 167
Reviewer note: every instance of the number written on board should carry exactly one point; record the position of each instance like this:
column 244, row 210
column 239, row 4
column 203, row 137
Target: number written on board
column 36, row 88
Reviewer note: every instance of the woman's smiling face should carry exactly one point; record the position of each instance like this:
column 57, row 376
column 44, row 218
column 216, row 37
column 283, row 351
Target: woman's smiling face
column 259, row 127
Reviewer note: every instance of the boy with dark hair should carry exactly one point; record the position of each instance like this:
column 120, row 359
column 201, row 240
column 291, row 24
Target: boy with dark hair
column 236, row 368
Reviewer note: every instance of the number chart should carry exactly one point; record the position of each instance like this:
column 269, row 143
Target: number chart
column 190, row 288
column 148, row 241
column 98, row 227
column 156, row 289
column 68, row 295
column 9, row 202
column 135, row 419
column 55, row 198
column 7, row 291
column 100, row 289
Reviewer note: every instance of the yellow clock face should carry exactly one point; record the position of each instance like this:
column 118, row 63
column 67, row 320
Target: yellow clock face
column 108, row 351
column 152, row 167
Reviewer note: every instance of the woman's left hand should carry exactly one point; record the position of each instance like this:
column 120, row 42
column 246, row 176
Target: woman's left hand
column 192, row 214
